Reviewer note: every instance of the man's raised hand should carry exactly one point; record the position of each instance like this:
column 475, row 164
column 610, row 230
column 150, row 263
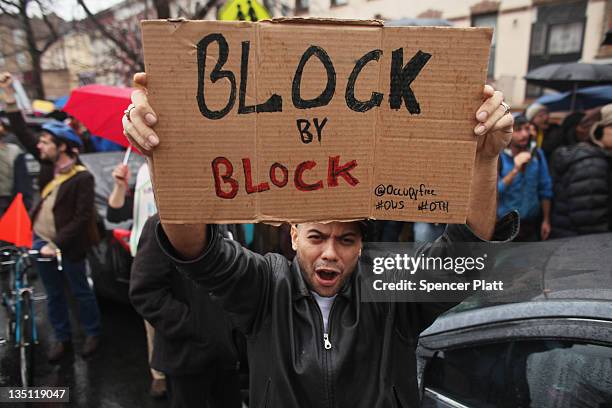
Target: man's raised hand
column 189, row 240
column 494, row 128
column 140, row 118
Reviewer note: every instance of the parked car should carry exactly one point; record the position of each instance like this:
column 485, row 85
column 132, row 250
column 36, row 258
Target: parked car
column 546, row 344
column 110, row 261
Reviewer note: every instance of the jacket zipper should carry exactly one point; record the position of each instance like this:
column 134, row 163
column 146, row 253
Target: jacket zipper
column 326, row 341
column 326, row 347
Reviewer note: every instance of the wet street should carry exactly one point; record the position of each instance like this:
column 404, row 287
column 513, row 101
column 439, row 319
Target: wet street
column 116, row 376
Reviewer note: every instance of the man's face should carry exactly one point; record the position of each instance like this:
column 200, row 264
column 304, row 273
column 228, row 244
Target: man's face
column 327, row 254
column 582, row 130
column 584, row 127
column 541, row 119
column 520, row 136
column 48, row 150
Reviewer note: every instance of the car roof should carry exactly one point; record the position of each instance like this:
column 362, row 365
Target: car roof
column 570, row 277
column 532, row 310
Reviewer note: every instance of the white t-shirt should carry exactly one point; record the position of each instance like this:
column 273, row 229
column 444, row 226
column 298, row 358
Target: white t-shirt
column 144, row 205
column 325, row 304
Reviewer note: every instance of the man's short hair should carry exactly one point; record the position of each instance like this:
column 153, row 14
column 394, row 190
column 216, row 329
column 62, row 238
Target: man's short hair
column 519, row 121
column 366, row 227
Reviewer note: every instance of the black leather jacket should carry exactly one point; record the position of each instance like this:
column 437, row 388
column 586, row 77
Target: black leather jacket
column 371, row 362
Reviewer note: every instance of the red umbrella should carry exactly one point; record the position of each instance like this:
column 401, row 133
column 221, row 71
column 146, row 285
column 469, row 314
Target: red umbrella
column 100, row 108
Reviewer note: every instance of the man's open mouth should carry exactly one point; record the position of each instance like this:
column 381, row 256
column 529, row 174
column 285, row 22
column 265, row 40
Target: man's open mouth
column 327, row 277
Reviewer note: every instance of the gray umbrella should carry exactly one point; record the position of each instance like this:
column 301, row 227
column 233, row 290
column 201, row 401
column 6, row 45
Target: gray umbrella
column 570, row 76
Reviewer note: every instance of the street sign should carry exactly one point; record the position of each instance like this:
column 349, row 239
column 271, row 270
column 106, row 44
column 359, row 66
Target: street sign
column 243, row 10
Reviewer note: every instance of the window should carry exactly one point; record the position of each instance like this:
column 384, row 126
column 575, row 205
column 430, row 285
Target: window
column 338, row 2
column 562, row 374
column 565, row 38
column 488, row 20
column 22, row 60
column 538, row 373
column 538, row 40
column 87, row 78
column 302, row 5
column 2, row 60
column 19, row 38
column 557, row 36
column 472, row 376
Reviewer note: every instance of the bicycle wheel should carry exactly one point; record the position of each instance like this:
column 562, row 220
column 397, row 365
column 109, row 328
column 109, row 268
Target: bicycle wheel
column 26, row 344
column 10, row 327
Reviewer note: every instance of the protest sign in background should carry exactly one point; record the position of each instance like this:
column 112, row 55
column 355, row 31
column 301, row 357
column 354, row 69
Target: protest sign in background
column 298, row 119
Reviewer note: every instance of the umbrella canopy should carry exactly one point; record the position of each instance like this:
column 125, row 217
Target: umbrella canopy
column 586, row 98
column 100, row 109
column 60, row 102
column 573, row 75
column 42, row 106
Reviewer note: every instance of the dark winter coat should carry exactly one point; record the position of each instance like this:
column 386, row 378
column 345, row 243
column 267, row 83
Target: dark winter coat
column 191, row 331
column 582, row 176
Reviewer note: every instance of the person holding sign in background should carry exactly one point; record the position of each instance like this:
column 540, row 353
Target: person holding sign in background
column 525, row 184
column 311, row 340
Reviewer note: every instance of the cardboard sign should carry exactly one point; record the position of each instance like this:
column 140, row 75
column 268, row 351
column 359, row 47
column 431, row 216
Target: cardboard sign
column 302, row 120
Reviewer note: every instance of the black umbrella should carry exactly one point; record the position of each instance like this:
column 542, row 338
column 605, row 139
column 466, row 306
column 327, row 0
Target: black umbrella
column 570, row 76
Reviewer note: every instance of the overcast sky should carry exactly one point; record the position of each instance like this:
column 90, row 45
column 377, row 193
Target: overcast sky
column 70, row 9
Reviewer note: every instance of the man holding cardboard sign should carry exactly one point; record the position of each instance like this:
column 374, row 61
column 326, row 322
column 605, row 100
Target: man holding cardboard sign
column 312, row 341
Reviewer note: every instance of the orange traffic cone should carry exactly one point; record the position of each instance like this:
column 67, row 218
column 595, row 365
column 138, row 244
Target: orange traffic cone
column 15, row 225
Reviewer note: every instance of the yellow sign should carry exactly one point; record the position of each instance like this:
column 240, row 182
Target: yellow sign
column 243, row 10
column 42, row 106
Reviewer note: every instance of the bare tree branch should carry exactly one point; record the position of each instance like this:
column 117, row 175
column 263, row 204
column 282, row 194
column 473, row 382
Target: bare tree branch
column 4, row 8
column 146, row 9
column 7, row 13
column 163, row 8
column 45, row 18
column 50, row 41
column 54, row 37
column 10, row 3
column 203, row 11
column 118, row 43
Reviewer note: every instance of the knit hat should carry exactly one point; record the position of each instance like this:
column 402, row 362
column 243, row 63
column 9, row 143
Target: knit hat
column 606, row 120
column 533, row 110
column 62, row 132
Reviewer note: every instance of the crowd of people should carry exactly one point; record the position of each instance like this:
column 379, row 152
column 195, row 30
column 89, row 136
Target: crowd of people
column 557, row 177
column 63, row 219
